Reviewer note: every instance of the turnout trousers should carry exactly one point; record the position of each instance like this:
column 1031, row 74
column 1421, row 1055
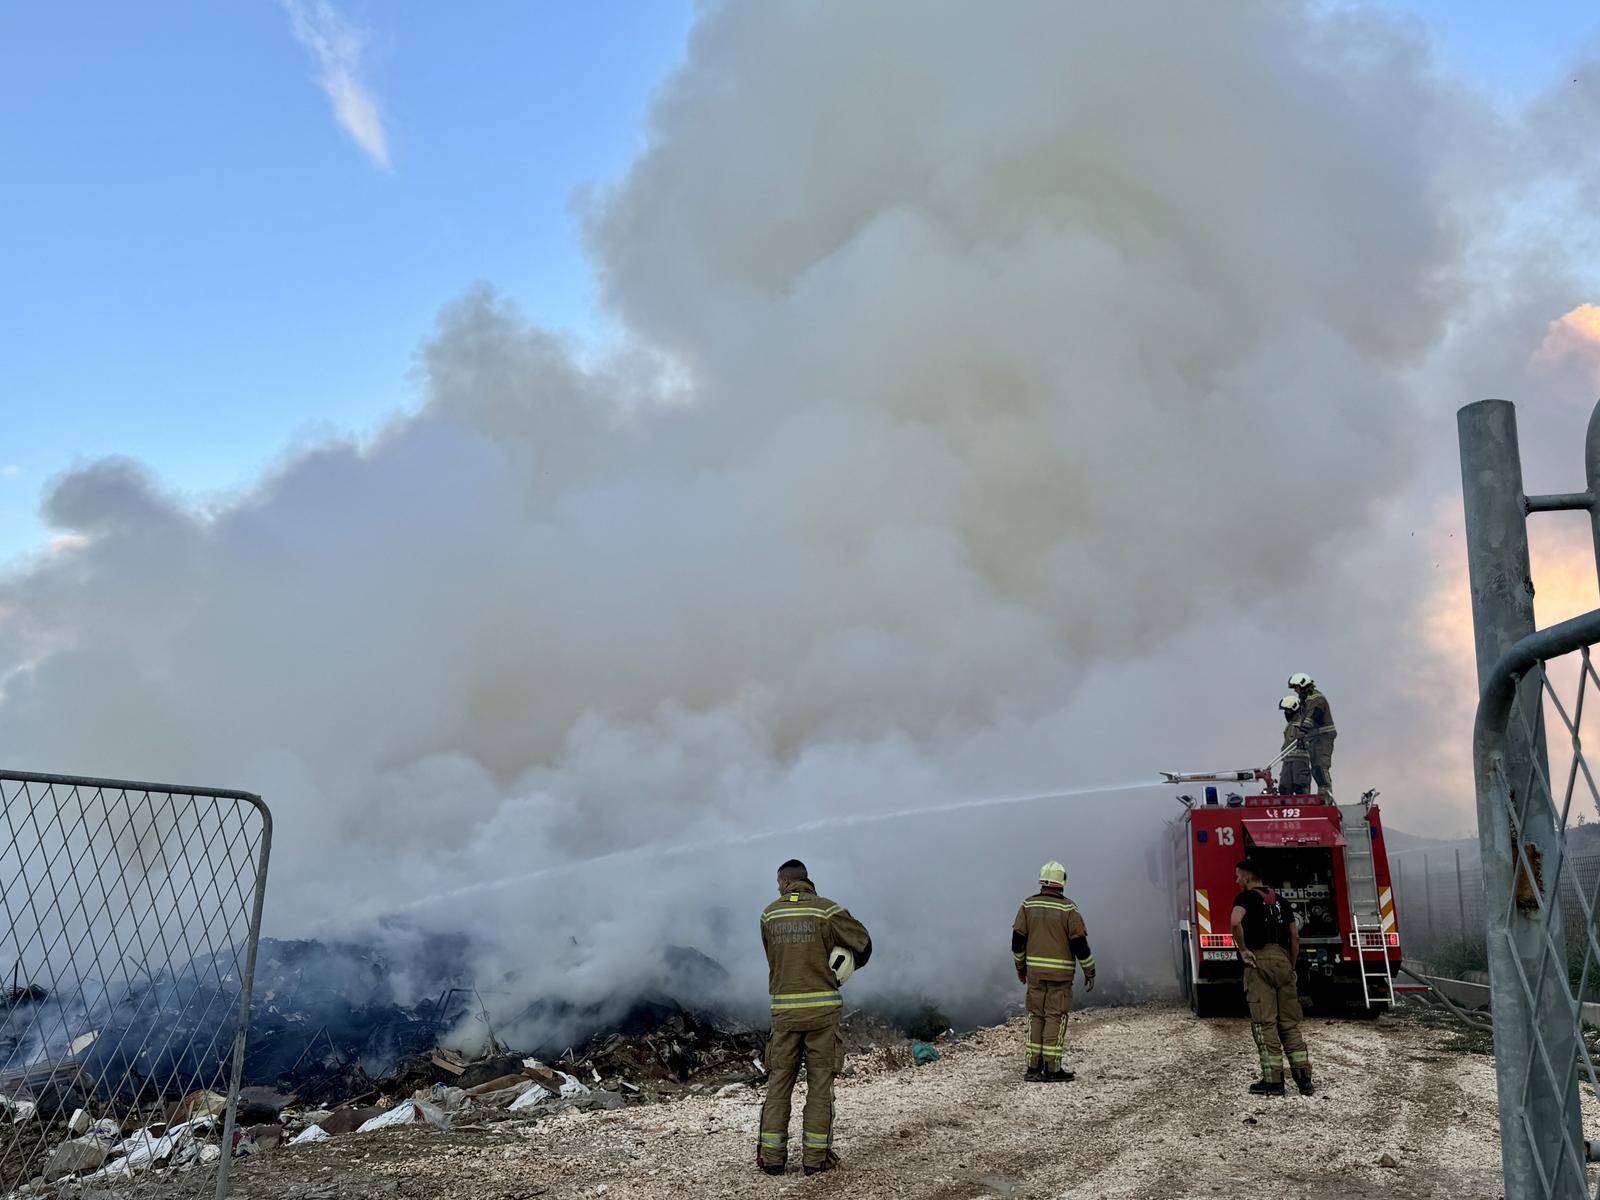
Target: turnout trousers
column 1275, row 1014
column 1049, row 1002
column 1294, row 777
column 822, row 1052
column 1322, row 763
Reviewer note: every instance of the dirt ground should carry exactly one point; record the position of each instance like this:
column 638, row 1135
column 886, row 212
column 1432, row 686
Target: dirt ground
column 1158, row 1110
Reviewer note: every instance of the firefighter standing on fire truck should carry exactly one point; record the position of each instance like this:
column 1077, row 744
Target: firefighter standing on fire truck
column 1048, row 943
column 1268, row 938
column 812, row 947
column 1317, row 719
column 1294, row 776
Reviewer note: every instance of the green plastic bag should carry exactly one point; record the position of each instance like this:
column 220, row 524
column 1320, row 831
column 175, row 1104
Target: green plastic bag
column 923, row 1053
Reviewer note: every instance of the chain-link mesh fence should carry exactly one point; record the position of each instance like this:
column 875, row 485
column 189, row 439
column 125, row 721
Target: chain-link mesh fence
column 1542, row 939
column 131, row 917
column 1439, row 900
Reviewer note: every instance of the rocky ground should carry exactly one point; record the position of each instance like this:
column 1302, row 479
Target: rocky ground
column 1158, row 1110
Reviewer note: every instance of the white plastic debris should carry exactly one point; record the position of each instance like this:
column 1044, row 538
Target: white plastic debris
column 210, row 1152
column 106, row 1130
column 571, row 1088
column 408, row 1112
column 78, row 1123
column 23, row 1110
column 145, row 1149
column 312, row 1133
column 117, row 1166
column 533, row 1064
column 534, row 1095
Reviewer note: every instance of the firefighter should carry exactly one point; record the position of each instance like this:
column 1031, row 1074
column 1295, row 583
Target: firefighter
column 1268, row 937
column 1048, row 942
column 1294, row 778
column 812, row 947
column 1317, row 718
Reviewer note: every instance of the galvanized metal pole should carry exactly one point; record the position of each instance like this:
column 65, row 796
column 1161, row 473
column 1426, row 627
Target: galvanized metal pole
column 1502, row 614
column 1461, row 894
column 1427, row 898
column 1591, row 470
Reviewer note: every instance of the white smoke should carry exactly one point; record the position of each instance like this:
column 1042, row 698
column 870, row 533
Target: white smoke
column 1000, row 399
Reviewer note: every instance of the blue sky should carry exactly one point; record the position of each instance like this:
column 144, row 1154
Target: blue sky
column 202, row 264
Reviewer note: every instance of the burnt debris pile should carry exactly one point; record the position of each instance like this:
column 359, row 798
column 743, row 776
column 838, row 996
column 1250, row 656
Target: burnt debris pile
column 339, row 1042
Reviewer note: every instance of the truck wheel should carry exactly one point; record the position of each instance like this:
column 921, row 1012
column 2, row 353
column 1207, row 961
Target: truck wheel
column 1185, row 981
column 1211, row 1000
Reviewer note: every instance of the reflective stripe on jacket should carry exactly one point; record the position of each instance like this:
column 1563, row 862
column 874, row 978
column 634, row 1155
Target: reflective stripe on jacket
column 1316, row 717
column 1048, row 938
column 799, row 930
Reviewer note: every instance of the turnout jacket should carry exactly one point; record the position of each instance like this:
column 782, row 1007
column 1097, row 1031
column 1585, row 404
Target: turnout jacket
column 1296, row 741
column 1049, row 940
column 1316, row 718
column 799, row 930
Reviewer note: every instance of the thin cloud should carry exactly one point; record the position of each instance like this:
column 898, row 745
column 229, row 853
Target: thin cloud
column 10, row 471
column 337, row 47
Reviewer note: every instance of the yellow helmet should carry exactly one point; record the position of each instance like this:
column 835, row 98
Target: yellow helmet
column 1053, row 872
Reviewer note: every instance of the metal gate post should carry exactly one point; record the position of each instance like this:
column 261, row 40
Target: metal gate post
column 1427, row 900
column 246, row 990
column 1461, row 895
column 1502, row 615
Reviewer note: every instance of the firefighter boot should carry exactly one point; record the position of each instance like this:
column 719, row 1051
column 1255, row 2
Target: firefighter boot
column 1059, row 1076
column 1302, row 1080
column 828, row 1164
column 1034, row 1073
column 1263, row 1087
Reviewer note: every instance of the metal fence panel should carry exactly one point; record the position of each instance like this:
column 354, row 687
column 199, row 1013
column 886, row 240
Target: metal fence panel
column 131, row 913
column 1540, row 897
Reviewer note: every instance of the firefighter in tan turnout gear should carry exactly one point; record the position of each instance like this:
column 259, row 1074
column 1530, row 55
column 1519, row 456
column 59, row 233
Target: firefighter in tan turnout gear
column 1048, row 943
column 812, row 947
column 1294, row 773
column 1268, row 938
column 1316, row 723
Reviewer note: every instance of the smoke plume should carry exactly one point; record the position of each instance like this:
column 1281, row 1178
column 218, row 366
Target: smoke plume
column 1004, row 400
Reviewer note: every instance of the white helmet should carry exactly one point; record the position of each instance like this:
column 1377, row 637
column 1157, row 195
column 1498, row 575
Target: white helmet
column 1290, row 704
column 1053, row 872
column 1301, row 680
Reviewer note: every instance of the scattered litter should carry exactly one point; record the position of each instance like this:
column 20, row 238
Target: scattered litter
column 534, row 1095
column 76, row 1157
column 922, row 1053
column 312, row 1133
column 407, row 1112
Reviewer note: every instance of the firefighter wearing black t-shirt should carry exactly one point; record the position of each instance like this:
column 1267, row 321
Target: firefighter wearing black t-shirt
column 1268, row 938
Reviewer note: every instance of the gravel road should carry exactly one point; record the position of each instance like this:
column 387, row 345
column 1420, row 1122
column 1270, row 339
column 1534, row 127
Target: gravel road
column 1158, row 1110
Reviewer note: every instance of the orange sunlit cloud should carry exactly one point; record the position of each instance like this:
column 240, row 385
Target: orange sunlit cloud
column 1572, row 339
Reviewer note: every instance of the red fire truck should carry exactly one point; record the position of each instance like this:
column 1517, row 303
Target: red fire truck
column 1326, row 859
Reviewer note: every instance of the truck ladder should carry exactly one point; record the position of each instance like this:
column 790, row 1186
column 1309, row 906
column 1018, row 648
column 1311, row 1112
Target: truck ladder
column 1366, row 913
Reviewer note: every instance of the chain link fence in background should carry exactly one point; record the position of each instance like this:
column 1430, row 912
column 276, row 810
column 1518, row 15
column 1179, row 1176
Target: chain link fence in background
column 1440, row 910
column 132, row 913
